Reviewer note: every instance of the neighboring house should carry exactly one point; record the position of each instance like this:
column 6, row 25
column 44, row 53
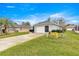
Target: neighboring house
column 46, row 26
column 70, row 27
column 18, row 28
column 76, row 28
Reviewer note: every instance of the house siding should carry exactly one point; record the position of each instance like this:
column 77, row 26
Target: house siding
column 53, row 27
column 41, row 29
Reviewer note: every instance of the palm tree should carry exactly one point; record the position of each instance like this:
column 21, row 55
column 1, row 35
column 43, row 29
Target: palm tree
column 6, row 23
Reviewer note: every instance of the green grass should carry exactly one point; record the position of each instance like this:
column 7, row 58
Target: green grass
column 12, row 34
column 44, row 46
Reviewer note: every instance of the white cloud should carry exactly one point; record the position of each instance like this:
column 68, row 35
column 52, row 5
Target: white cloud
column 67, row 17
column 73, row 20
column 10, row 6
column 57, row 15
column 35, row 18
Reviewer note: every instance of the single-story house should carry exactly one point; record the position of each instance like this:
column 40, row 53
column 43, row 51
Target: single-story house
column 18, row 28
column 70, row 27
column 46, row 26
column 76, row 28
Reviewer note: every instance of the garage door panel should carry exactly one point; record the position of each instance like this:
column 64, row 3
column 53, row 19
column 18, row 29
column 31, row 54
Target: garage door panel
column 39, row 29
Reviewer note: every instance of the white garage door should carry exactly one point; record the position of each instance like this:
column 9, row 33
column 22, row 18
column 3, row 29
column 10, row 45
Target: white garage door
column 40, row 29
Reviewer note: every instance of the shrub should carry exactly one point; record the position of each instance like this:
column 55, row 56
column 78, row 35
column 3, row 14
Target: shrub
column 16, row 31
column 59, row 31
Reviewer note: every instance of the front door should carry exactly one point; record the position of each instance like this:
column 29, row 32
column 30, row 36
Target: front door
column 46, row 28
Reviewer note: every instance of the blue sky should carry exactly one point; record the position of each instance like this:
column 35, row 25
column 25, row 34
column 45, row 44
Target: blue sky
column 37, row 12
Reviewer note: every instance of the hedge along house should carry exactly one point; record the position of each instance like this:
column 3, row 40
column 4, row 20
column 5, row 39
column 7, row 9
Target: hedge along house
column 47, row 26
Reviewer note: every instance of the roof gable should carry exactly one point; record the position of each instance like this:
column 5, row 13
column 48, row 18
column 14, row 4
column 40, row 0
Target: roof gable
column 44, row 23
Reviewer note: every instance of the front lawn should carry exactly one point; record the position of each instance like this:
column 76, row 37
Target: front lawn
column 12, row 34
column 44, row 46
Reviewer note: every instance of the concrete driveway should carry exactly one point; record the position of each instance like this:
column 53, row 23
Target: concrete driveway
column 6, row 43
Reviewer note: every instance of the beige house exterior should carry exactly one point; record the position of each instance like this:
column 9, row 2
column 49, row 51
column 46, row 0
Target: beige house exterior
column 46, row 26
column 70, row 27
column 17, row 28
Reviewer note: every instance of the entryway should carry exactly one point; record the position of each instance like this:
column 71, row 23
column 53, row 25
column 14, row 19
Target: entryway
column 46, row 28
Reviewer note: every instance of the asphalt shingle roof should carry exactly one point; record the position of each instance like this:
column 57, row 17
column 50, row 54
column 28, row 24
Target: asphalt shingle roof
column 46, row 23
